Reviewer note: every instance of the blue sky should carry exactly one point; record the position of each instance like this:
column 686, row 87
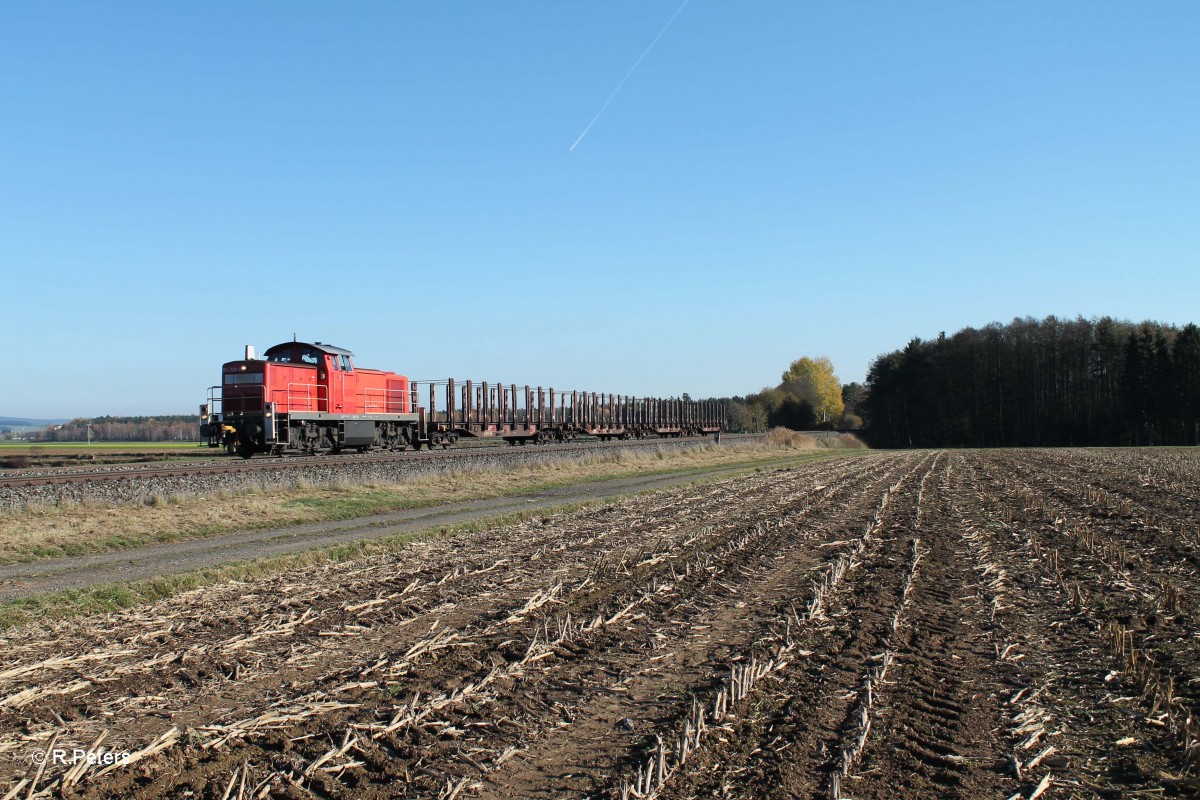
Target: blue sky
column 775, row 179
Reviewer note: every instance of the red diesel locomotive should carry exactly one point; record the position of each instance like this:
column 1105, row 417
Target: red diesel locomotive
column 310, row 398
column 307, row 398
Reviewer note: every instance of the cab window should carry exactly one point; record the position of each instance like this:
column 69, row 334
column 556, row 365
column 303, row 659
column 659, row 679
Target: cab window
column 297, row 354
column 345, row 363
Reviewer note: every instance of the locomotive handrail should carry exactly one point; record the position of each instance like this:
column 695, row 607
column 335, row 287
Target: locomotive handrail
column 214, row 399
column 322, row 393
column 390, row 401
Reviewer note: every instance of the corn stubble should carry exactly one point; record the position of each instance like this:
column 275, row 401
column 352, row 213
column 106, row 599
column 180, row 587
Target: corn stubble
column 1009, row 624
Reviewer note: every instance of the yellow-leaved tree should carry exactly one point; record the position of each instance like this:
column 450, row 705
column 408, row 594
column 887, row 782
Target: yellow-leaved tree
column 812, row 379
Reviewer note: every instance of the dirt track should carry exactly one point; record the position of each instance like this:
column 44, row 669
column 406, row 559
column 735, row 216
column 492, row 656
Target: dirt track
column 895, row 625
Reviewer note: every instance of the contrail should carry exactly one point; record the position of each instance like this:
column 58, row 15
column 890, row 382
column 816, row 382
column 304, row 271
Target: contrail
column 627, row 74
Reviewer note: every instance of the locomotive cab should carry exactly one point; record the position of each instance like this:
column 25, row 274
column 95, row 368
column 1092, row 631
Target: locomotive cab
column 309, row 377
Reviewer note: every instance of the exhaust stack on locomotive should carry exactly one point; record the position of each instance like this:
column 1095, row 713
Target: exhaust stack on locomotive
column 310, row 398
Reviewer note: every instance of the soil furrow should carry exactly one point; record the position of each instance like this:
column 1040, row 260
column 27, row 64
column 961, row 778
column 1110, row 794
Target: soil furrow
column 1100, row 740
column 934, row 733
column 665, row 669
column 805, row 706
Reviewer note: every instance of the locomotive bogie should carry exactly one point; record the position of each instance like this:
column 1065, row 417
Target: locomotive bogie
column 331, row 434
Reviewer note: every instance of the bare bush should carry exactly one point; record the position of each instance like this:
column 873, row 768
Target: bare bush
column 796, row 440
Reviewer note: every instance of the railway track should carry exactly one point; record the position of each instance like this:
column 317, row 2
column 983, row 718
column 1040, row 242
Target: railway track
column 235, row 466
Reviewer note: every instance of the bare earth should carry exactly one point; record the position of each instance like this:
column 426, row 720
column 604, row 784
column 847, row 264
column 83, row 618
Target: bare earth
column 956, row 625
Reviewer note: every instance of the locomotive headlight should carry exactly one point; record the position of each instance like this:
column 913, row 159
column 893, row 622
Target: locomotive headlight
column 243, row 367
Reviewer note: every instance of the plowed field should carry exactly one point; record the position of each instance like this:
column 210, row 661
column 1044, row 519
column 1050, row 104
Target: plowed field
column 965, row 624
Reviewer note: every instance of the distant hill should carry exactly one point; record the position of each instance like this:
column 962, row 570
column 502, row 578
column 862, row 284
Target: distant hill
column 168, row 427
column 32, row 424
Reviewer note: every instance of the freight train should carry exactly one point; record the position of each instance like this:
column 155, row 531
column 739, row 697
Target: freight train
column 312, row 398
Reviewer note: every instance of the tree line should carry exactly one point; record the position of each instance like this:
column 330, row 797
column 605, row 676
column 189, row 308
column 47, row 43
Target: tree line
column 177, row 428
column 809, row 396
column 1039, row 383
